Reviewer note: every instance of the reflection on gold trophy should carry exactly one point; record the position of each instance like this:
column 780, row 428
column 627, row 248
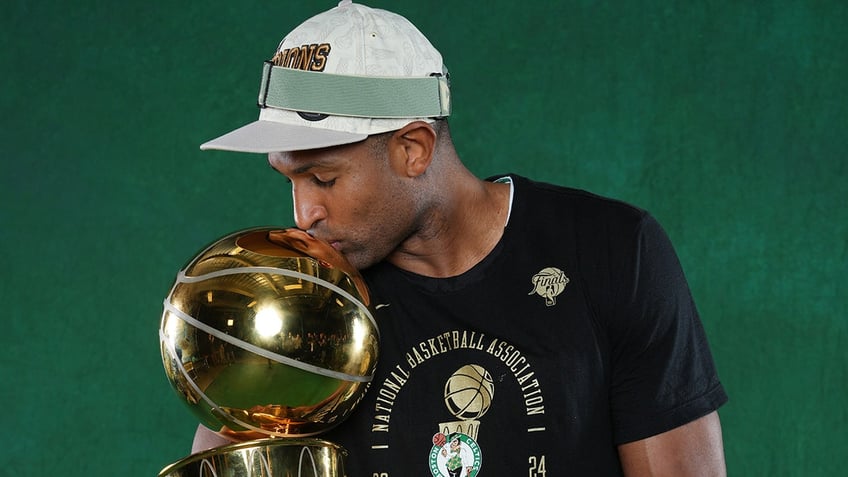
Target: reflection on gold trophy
column 268, row 337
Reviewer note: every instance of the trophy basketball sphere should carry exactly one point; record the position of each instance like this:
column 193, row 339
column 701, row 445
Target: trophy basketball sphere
column 268, row 333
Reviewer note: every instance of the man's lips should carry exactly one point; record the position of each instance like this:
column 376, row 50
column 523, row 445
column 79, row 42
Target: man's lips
column 335, row 243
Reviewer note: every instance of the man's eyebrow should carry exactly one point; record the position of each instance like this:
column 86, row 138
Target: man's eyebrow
column 315, row 163
column 298, row 170
column 305, row 168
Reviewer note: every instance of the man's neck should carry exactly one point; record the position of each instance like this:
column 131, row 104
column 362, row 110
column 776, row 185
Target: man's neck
column 459, row 233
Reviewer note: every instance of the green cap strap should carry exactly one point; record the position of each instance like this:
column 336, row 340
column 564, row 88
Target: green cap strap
column 358, row 96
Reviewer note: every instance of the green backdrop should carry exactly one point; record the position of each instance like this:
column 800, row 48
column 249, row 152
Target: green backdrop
column 727, row 119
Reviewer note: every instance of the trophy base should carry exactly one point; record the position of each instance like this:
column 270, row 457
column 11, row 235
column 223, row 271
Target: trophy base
column 277, row 457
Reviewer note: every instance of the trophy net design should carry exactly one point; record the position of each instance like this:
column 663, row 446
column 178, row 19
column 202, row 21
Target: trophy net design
column 268, row 338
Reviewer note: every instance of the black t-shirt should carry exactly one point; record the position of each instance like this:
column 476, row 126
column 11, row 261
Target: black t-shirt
column 575, row 334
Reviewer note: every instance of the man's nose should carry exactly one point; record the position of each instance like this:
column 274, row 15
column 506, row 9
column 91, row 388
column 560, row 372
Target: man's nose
column 308, row 209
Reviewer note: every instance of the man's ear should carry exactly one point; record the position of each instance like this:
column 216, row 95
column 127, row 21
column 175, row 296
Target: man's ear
column 412, row 148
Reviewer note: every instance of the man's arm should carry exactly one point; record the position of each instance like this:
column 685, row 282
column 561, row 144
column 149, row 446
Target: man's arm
column 692, row 450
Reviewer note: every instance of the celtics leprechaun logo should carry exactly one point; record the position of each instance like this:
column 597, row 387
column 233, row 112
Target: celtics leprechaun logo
column 454, row 455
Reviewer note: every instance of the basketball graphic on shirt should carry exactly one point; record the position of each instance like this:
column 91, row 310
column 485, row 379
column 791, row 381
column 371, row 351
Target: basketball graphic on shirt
column 469, row 392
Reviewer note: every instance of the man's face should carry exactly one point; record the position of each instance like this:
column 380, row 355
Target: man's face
column 351, row 197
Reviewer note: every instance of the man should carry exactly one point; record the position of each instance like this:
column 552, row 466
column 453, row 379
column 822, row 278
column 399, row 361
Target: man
column 548, row 329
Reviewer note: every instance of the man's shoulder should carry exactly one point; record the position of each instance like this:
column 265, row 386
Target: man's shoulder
column 534, row 197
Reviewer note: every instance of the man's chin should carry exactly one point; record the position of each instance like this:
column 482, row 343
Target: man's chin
column 359, row 260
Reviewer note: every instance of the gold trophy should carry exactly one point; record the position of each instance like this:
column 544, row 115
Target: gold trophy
column 268, row 337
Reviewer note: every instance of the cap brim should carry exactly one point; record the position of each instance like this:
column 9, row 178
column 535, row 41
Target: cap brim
column 270, row 136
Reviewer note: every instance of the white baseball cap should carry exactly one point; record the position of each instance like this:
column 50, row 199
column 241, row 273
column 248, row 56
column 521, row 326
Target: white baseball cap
column 341, row 76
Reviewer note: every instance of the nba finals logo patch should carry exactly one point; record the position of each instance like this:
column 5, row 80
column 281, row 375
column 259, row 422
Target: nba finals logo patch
column 468, row 396
column 548, row 284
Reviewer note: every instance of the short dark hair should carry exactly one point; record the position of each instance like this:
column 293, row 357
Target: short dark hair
column 377, row 142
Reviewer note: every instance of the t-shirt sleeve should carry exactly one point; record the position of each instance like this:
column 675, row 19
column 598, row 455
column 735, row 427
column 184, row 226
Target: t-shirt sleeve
column 662, row 372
